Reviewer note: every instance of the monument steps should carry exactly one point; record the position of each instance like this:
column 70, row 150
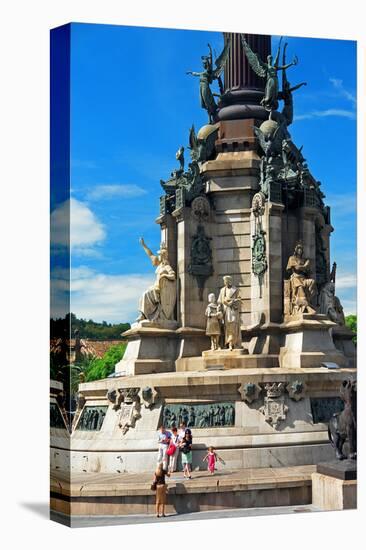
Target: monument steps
column 129, row 494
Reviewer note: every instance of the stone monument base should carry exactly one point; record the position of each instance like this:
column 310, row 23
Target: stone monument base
column 147, row 344
column 308, row 342
column 334, row 485
column 237, row 359
column 343, row 341
column 272, row 426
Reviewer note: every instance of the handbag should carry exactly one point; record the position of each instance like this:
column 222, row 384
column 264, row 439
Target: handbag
column 153, row 486
column 171, row 449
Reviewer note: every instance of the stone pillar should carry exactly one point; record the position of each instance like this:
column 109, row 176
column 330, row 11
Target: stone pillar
column 243, row 88
column 231, row 182
column 168, row 228
column 192, row 290
column 267, row 287
column 238, row 74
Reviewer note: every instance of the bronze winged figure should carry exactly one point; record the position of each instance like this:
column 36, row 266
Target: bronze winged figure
column 268, row 71
column 208, row 76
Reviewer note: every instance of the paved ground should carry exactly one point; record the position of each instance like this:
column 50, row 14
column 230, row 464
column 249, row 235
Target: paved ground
column 97, row 521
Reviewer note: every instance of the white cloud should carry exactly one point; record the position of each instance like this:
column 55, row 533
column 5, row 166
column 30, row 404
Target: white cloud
column 102, row 297
column 346, row 280
column 344, row 113
column 343, row 92
column 115, row 190
column 74, row 225
column 86, row 229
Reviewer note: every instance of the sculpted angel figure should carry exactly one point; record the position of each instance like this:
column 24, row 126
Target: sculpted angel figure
column 207, row 77
column 158, row 302
column 268, row 71
column 286, row 92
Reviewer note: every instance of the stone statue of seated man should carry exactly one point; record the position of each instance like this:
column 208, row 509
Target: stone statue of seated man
column 158, row 302
column 302, row 286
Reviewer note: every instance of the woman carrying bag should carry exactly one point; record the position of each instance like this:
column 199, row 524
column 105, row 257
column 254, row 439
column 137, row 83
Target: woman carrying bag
column 160, row 487
column 173, row 451
column 186, row 449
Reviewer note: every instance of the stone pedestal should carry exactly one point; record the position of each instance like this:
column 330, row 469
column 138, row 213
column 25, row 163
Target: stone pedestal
column 343, row 341
column 308, row 342
column 150, row 349
column 334, row 485
column 238, row 359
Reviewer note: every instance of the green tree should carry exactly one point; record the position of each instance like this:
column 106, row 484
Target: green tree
column 351, row 323
column 101, row 367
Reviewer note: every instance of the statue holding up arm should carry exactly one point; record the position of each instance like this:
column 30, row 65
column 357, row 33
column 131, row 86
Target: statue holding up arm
column 268, row 71
column 286, row 92
column 158, row 302
column 207, row 77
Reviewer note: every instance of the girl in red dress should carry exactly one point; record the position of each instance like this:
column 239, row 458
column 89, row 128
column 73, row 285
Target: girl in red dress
column 212, row 457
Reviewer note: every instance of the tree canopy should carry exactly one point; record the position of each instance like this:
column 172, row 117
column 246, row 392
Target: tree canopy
column 87, row 328
column 101, row 367
column 351, row 323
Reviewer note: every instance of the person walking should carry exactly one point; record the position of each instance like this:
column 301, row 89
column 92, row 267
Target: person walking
column 163, row 444
column 212, row 457
column 186, row 449
column 173, row 451
column 160, row 486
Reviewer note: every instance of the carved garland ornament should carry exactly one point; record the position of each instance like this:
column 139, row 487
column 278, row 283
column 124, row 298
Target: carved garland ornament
column 259, row 257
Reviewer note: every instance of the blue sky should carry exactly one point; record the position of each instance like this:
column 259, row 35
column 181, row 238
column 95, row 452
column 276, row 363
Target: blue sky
column 131, row 108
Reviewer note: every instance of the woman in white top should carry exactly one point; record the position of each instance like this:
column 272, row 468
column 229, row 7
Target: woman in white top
column 174, row 456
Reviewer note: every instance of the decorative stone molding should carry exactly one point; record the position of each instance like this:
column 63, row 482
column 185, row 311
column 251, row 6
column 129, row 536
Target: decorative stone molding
column 258, row 204
column 296, row 390
column 148, row 396
column 249, row 392
column 127, row 402
column 276, row 389
column 259, row 255
column 274, row 408
column 130, row 394
column 201, row 266
column 200, row 209
column 122, row 395
column 129, row 414
column 112, row 396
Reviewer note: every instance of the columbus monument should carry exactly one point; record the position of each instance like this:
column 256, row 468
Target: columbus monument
column 241, row 336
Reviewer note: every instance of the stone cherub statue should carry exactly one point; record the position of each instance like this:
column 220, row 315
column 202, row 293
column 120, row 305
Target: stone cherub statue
column 214, row 317
column 207, row 77
column 158, row 302
column 302, row 286
column 229, row 301
column 268, row 71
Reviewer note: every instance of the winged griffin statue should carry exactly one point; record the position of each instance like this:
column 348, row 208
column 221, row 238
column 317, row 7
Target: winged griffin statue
column 208, row 76
column 268, row 71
